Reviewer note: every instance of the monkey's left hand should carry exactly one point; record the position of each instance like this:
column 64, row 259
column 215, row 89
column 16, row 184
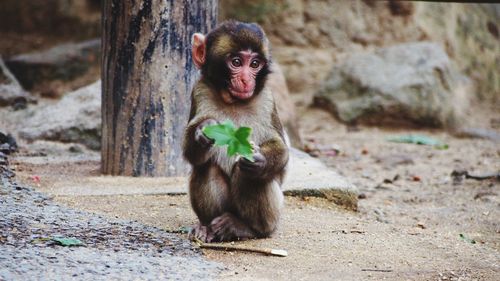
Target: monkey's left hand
column 255, row 168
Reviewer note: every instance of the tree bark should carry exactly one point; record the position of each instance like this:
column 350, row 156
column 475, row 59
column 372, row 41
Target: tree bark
column 147, row 76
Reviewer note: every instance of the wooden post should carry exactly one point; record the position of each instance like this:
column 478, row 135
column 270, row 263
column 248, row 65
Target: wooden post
column 147, row 76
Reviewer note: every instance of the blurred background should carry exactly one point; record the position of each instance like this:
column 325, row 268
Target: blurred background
column 393, row 64
column 308, row 36
column 315, row 42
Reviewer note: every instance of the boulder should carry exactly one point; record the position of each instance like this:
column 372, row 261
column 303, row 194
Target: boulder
column 64, row 63
column 75, row 118
column 304, row 68
column 411, row 83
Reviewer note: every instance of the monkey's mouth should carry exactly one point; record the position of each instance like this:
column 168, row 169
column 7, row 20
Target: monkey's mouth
column 242, row 95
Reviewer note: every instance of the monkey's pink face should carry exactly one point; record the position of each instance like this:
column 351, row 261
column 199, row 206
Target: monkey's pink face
column 243, row 68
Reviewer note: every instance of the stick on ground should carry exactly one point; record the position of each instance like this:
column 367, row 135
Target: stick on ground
column 273, row 252
column 376, row 270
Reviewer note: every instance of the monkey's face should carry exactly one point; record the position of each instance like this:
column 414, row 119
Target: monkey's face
column 243, row 67
column 234, row 58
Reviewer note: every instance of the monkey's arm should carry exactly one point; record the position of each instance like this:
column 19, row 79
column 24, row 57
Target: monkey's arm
column 275, row 151
column 269, row 161
column 196, row 144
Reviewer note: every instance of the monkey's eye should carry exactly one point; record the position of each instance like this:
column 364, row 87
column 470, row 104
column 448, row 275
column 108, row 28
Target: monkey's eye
column 236, row 62
column 255, row 64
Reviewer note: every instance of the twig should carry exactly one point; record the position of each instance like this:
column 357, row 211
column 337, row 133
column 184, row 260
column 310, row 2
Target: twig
column 355, row 231
column 273, row 252
column 376, row 270
column 456, row 174
column 482, row 177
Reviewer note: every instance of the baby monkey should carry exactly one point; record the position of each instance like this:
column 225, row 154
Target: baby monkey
column 234, row 198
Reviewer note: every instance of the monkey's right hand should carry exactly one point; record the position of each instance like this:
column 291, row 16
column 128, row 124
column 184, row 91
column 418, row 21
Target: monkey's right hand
column 200, row 137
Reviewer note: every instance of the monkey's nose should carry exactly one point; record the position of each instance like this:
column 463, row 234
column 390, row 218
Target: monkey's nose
column 245, row 82
column 247, row 85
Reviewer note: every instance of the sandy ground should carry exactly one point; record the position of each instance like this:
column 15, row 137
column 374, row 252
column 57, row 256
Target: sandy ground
column 408, row 225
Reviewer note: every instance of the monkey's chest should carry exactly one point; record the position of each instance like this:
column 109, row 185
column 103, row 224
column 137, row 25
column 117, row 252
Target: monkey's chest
column 261, row 131
column 259, row 120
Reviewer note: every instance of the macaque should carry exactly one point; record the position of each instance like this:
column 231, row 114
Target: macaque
column 234, row 198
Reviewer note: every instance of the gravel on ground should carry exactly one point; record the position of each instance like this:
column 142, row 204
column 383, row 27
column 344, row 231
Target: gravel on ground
column 113, row 248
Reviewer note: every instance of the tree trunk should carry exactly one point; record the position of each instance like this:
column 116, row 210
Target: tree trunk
column 147, row 76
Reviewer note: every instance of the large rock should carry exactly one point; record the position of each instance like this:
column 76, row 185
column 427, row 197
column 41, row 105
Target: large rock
column 75, row 118
column 64, row 62
column 406, row 83
column 304, row 68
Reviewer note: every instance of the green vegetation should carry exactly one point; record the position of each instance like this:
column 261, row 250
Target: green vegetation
column 235, row 139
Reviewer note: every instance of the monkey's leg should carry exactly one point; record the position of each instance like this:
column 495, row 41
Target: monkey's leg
column 209, row 196
column 256, row 197
column 256, row 212
column 260, row 205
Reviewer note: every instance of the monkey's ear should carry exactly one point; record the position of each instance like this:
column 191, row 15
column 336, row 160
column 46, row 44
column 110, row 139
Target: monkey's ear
column 198, row 49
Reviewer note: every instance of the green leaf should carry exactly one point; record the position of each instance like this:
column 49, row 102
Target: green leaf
column 467, row 239
column 419, row 139
column 67, row 242
column 182, row 229
column 235, row 139
column 247, row 154
column 222, row 133
column 243, row 133
column 232, row 147
column 244, row 148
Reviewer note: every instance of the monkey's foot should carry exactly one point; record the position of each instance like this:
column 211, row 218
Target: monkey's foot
column 200, row 232
column 227, row 227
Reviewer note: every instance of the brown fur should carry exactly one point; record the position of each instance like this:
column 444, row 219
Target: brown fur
column 235, row 200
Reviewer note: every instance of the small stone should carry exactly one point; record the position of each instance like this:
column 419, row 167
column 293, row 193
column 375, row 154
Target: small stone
column 75, row 149
column 393, row 160
column 5, row 148
column 7, row 143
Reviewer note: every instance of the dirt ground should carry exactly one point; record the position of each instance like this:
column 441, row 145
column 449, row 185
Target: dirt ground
column 414, row 222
